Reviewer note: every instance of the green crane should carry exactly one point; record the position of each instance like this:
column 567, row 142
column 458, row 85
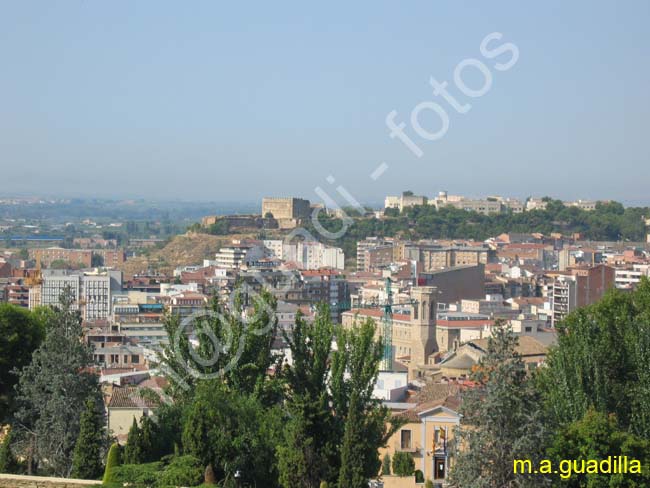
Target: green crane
column 387, row 328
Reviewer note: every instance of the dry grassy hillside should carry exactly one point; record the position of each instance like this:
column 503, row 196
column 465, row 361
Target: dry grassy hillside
column 181, row 250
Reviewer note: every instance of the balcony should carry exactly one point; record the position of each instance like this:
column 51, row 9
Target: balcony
column 412, row 447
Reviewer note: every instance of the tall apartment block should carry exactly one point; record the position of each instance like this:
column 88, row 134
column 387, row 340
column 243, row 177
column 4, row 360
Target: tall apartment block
column 579, row 288
column 92, row 292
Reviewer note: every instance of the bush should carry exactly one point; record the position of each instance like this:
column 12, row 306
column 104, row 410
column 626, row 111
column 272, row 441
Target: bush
column 136, row 474
column 182, row 471
column 419, row 476
column 112, row 461
column 403, row 464
column 428, row 484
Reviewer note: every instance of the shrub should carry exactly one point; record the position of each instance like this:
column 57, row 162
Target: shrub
column 403, row 464
column 323, row 484
column 112, row 461
column 182, row 471
column 136, row 474
column 419, row 476
column 428, row 484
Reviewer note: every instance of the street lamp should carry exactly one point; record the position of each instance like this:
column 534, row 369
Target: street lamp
column 238, row 478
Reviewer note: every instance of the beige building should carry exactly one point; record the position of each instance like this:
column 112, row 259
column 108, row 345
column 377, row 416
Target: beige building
column 413, row 335
column 429, row 436
column 434, row 257
column 286, row 208
column 125, row 404
column 75, row 257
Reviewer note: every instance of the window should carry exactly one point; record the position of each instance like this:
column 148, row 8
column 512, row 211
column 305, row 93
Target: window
column 406, row 439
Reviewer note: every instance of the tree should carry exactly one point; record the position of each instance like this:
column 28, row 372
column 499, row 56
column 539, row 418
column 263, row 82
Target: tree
column 233, row 346
column 233, row 431
column 52, row 390
column 502, row 420
column 601, row 362
column 366, row 426
column 593, row 438
column 385, row 465
column 133, row 451
column 403, row 464
column 309, row 443
column 87, row 456
column 8, row 462
column 21, row 332
column 112, row 461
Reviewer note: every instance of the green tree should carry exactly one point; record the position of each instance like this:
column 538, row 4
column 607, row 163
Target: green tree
column 112, row 461
column 233, row 346
column 53, row 388
column 366, row 427
column 403, row 464
column 385, row 465
column 21, row 332
column 596, row 437
column 303, row 457
column 601, row 362
column 87, row 455
column 133, row 451
column 502, row 420
column 8, row 462
column 233, row 431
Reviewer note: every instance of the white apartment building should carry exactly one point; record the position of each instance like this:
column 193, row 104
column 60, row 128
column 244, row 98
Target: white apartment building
column 233, row 257
column 92, row 292
column 627, row 279
column 307, row 254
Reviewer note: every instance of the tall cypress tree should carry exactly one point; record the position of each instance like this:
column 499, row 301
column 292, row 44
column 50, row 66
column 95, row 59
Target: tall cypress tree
column 87, row 456
column 133, row 451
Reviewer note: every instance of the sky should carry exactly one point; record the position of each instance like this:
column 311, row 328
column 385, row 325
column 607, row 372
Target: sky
column 232, row 101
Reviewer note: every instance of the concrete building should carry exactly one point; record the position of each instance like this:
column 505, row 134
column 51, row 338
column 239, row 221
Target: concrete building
column 579, row 288
column 456, row 283
column 238, row 254
column 306, row 254
column 368, row 244
column 92, row 292
column 629, row 278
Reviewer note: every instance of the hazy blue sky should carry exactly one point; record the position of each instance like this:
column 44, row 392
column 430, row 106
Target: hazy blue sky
column 235, row 100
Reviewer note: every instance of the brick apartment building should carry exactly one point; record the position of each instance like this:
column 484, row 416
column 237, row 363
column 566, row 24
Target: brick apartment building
column 580, row 287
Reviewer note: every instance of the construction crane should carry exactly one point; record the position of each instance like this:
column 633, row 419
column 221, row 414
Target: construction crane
column 387, row 323
column 35, row 278
column 387, row 328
